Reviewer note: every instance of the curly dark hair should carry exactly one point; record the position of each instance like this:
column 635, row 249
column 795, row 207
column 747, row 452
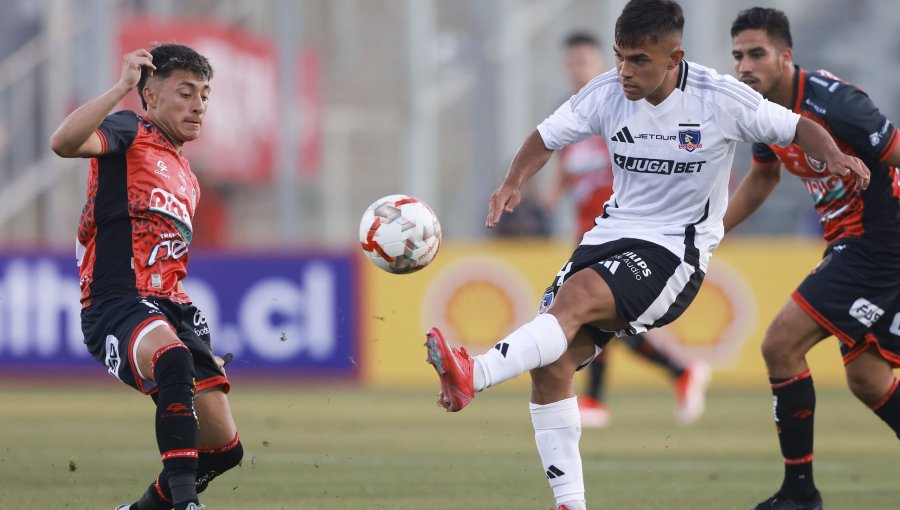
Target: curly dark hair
column 648, row 20
column 170, row 57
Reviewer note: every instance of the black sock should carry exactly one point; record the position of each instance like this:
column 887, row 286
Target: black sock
column 214, row 462
column 210, row 464
column 184, row 488
column 153, row 500
column 888, row 408
column 176, row 423
column 596, row 373
column 645, row 349
column 795, row 405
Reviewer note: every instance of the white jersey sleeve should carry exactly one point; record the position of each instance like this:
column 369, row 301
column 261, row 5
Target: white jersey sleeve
column 579, row 117
column 565, row 126
column 743, row 114
column 769, row 123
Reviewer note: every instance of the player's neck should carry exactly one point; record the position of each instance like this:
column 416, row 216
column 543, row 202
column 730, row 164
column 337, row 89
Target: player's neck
column 168, row 132
column 668, row 86
column 783, row 92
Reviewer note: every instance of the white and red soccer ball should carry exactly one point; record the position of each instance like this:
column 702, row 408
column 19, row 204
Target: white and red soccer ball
column 400, row 234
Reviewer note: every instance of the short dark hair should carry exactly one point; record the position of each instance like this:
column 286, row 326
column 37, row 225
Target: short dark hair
column 648, row 20
column 581, row 39
column 773, row 21
column 171, row 57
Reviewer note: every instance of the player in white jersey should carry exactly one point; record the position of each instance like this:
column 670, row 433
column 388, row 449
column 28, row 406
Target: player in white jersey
column 672, row 127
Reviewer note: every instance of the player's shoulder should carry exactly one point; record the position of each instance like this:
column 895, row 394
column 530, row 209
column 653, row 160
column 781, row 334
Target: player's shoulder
column 127, row 121
column 124, row 116
column 602, row 88
column 719, row 89
column 823, row 90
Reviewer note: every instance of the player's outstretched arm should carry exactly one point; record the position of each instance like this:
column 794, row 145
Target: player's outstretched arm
column 752, row 192
column 76, row 136
column 531, row 157
column 816, row 142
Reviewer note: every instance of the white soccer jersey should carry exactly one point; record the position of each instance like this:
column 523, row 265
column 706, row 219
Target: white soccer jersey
column 671, row 162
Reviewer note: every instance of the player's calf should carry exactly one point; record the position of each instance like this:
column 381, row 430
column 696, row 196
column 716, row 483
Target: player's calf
column 795, row 404
column 871, row 379
column 888, row 407
column 212, row 462
column 215, row 461
column 176, row 423
column 557, row 429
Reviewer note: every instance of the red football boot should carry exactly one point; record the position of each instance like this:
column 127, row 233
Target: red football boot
column 454, row 367
column 690, row 393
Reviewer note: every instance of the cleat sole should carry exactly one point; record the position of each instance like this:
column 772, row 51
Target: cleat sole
column 434, row 355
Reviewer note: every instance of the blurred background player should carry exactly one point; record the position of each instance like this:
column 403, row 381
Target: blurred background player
column 584, row 173
column 854, row 292
column 134, row 236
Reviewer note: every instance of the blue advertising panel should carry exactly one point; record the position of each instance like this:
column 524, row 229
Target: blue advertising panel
column 279, row 314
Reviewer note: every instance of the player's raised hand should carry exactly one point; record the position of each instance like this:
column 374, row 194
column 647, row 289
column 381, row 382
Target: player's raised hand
column 844, row 164
column 131, row 67
column 505, row 199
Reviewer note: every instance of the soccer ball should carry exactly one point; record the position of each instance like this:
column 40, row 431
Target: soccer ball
column 400, row 234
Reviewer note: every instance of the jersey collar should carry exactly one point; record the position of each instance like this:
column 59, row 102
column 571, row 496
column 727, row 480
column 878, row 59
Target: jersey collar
column 799, row 85
column 670, row 100
column 163, row 132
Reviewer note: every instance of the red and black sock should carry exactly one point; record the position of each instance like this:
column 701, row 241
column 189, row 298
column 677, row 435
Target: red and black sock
column 211, row 463
column 596, row 373
column 795, row 406
column 644, row 348
column 176, row 423
column 153, row 499
column 215, row 461
column 888, row 408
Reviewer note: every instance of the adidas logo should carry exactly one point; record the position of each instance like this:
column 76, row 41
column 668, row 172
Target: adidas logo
column 502, row 347
column 612, row 265
column 553, row 472
column 623, row 136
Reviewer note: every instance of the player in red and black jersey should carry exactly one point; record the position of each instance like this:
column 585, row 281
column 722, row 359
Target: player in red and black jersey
column 854, row 292
column 584, row 171
column 133, row 242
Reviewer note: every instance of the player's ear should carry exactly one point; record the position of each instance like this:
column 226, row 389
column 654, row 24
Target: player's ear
column 675, row 58
column 150, row 93
column 787, row 56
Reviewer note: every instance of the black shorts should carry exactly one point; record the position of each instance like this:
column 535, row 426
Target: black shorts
column 651, row 285
column 113, row 329
column 854, row 293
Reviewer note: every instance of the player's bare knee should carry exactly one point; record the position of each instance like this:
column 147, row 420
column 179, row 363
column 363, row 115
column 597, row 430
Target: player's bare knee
column 869, row 378
column 772, row 350
column 779, row 345
column 864, row 386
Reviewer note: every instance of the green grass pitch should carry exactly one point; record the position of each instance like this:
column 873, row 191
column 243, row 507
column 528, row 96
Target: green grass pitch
column 324, row 447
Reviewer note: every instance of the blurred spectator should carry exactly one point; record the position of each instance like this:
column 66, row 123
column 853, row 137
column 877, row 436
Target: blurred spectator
column 20, row 21
column 530, row 219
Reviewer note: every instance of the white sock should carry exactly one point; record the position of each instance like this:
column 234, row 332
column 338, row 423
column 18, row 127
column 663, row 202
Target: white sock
column 535, row 344
column 557, row 429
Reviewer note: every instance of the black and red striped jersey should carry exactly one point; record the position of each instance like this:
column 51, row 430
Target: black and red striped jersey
column 859, row 129
column 135, row 227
